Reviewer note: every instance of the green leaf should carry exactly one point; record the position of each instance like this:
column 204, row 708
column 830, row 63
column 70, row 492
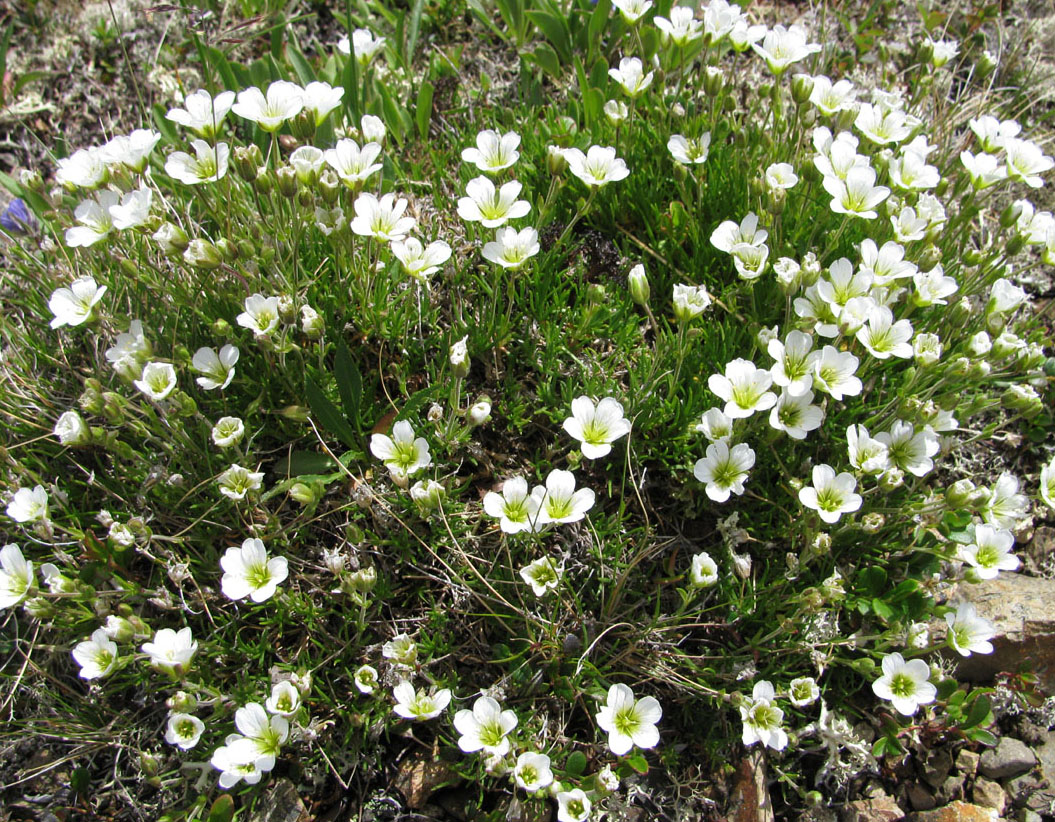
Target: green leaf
column 37, row 203
column 303, row 69
column 546, row 59
column 423, row 109
column 980, row 713
column 575, row 765
column 882, row 610
column 946, row 688
column 349, row 383
column 412, row 30
column 328, row 415
column 556, row 31
column 873, row 580
column 350, row 81
column 413, row 405
column 981, row 735
column 222, row 809
column 300, row 463
column 593, row 104
column 599, row 19
column 221, row 64
column 637, row 762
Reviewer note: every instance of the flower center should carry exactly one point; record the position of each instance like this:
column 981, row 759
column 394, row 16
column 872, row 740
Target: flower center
column 902, row 685
column 185, row 729
column 828, row 499
column 987, row 556
column 492, row 734
column 626, row 721
column 258, row 575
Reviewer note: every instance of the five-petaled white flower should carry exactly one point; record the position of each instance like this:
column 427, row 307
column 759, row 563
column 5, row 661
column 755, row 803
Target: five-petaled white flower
column 171, row 651
column 320, row 99
column 352, row 164
column 96, row 656
column 597, row 167
column 632, row 11
column 690, row 301
column 1047, row 483
column 208, row 164
column 382, row 219
column 157, row 381
column 493, row 151
column 284, row 699
column 724, row 469
column 402, row 453
column 628, row 721
column 857, row 195
column 511, row 248
column 228, row 431
column 75, row 305
column 543, row 575
column 238, row 481
column 284, row 101
column 414, row 704
column 401, row 649
column 596, row 426
column 516, row 509
column 830, row 495
column 744, row 387
column 260, row 315
column 486, row 727
column 762, row 718
column 783, row 46
column 363, row 44
column 491, row 207
column 16, row 576
column 29, row 505
column 202, row 113
column 95, row 220
column 249, row 573
column 968, row 633
column 184, row 730
column 420, row 261
column 217, row 369
column 532, row 771
column 905, row 684
column 689, row 151
column 559, row 502
column 795, row 416
column 803, row 691
column 681, row 28
column 631, row 76
column 990, row 552
column 366, row 679
column 703, row 572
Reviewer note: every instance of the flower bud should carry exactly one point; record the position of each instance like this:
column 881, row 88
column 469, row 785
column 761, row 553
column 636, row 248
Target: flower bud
column 363, row 580
column 296, row 413
column 329, row 186
column 1023, row 399
column 459, row 358
column 286, row 180
column 555, row 160
column 71, row 429
column 40, row 608
column 247, row 161
column 616, row 111
column 479, row 412
column 31, row 179
column 435, row 412
column 203, row 255
column 171, row 238
column 182, row 702
column 119, row 629
column 428, row 494
column 713, row 81
column 958, row 495
column 311, row 323
column 979, row 370
column 926, row 348
column 305, row 493
column 801, row 88
column 872, row 522
column 91, row 399
column 776, row 199
column 303, row 125
column 930, row 257
column 960, row 311
column 227, row 249
column 637, row 281
column 892, row 479
column 305, row 198
column 264, row 182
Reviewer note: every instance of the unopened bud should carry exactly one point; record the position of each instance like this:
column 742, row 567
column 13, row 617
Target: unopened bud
column 637, row 281
column 247, row 161
column 958, row 495
column 801, row 88
column 203, row 255
column 556, row 162
column 479, row 412
column 713, row 81
column 171, row 239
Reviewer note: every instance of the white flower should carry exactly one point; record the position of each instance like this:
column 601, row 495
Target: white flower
column 574, row 805
column 492, row 207
column 249, row 573
column 402, row 453
column 795, row 416
column 803, row 691
column 1047, row 483
column 71, row 429
column 882, row 124
column 984, row 170
column 237, row 481
column 682, row 27
column 830, row 495
column 719, row 19
column 885, row 265
column 29, row 505
column 1026, row 162
column 857, row 195
column 366, row 679
column 515, row 508
column 762, row 719
column 284, row 699
column 628, row 721
column 94, row 218
column 75, row 305
column 905, row 684
column 238, row 763
column 485, row 728
column 307, row 162
column 942, row 51
column 207, row 166
column 781, row 175
column 831, row 98
column 157, row 381
column 532, row 771
column 750, row 260
column 131, row 151
column 910, row 172
column 85, row 168
column 130, row 351
column 728, row 234
column 228, row 431
column 217, row 369
column 184, row 730
column 968, row 632
column 96, row 656
column 784, row 46
column 598, row 167
column 401, row 649
column 512, row 248
column 363, row 44
column 932, row 287
column 991, row 132
column 493, row 151
column 543, row 575
column 283, row 102
column 715, row 425
column 689, row 151
column 352, row 164
column 202, row 113
column 419, row 261
column 724, row 470
column 16, row 575
column 908, row 449
column 744, row 387
column 690, row 301
column 704, row 571
column 868, row 455
column 320, row 99
column 260, row 315
column 262, row 736
column 559, row 502
column 596, row 427
column 414, row 704
column 990, row 552
column 1004, row 297
column 631, row 77
column 171, row 650
column 833, row 373
column 616, row 112
column 793, row 366
column 133, row 210
column 382, row 219
column 885, row 338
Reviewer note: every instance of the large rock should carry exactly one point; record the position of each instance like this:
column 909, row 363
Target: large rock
column 955, row 812
column 1010, row 757
column 1022, row 609
column 881, row 808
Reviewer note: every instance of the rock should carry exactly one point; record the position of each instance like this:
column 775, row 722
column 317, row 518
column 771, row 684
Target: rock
column 418, row 779
column 818, row 814
column 876, row 809
column 1021, row 788
column 919, row 797
column 1022, row 610
column 750, row 800
column 281, row 804
column 1029, row 816
column 954, row 812
column 1037, row 552
column 951, row 788
column 967, row 762
column 989, row 794
column 1046, row 754
column 1010, row 757
column 936, row 766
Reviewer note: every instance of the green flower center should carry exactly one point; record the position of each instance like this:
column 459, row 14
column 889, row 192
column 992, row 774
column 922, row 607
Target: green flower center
column 626, row 721
column 492, row 734
column 987, row 556
column 902, row 685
